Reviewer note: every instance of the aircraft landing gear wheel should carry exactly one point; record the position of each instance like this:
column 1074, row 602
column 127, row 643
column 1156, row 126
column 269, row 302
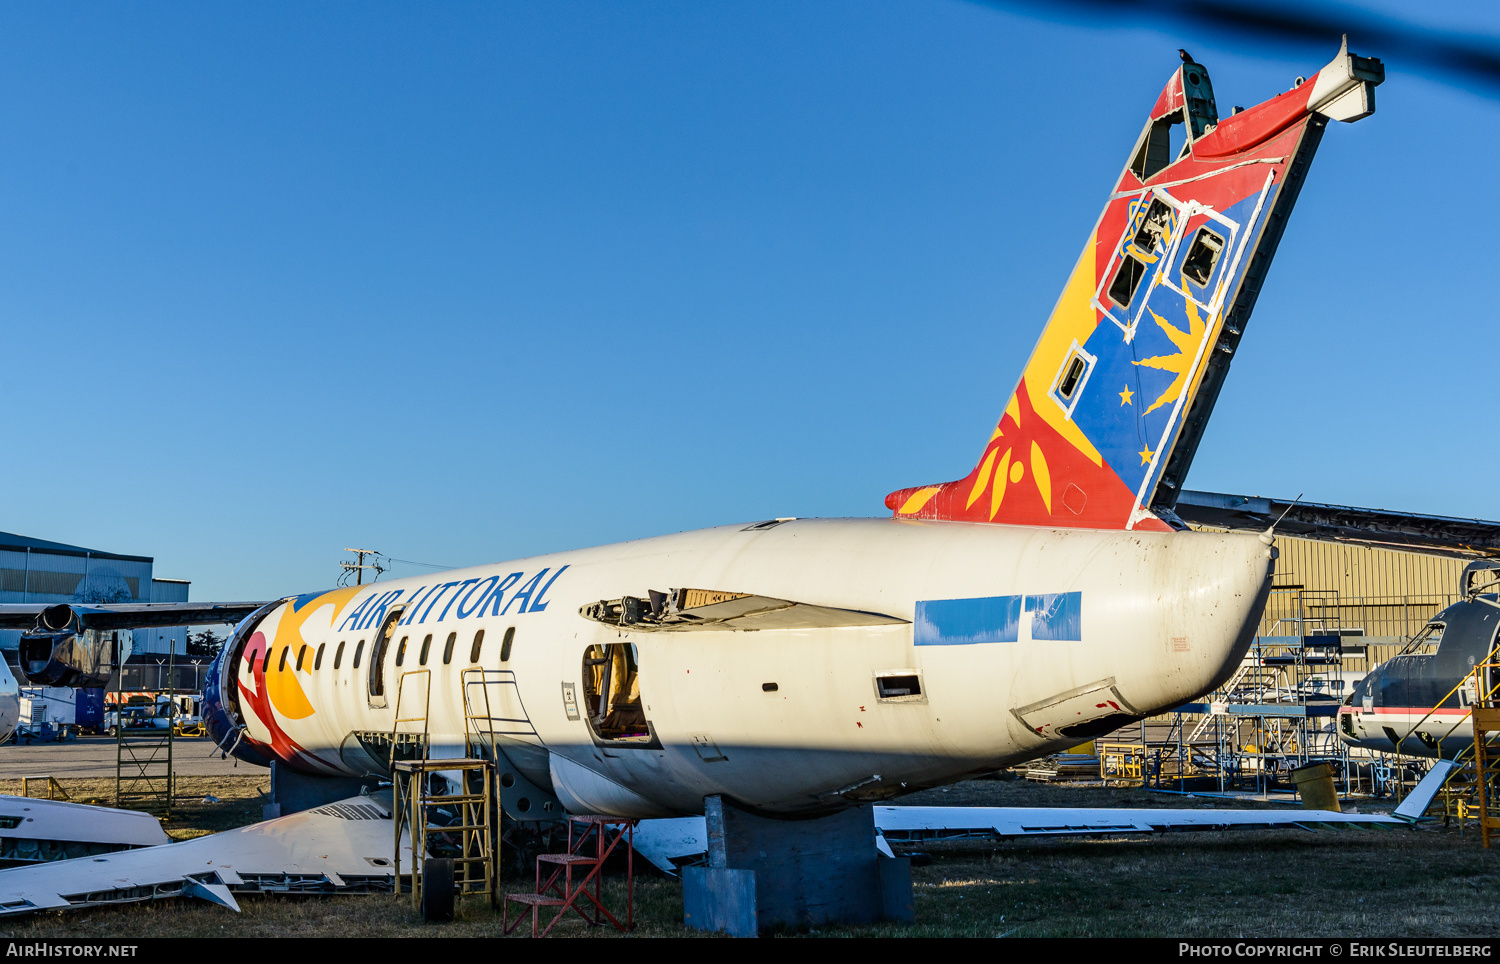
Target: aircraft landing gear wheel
column 437, row 889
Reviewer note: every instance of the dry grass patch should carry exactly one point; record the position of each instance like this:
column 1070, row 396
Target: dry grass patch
column 1407, row 883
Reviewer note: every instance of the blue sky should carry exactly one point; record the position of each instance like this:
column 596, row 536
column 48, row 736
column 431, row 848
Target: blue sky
column 466, row 282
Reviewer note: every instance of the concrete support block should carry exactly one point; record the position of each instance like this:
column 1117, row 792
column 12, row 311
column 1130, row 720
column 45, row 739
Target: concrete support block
column 802, row 873
column 897, row 902
column 716, row 899
column 293, row 792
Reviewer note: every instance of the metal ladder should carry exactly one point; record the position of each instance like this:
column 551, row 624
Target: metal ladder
column 143, row 762
column 460, row 825
column 1486, row 716
column 469, row 863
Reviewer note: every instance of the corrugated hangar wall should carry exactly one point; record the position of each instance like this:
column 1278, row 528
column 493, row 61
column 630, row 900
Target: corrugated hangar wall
column 1326, row 586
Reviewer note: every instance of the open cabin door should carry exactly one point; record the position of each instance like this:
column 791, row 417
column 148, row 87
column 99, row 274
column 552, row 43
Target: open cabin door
column 612, row 696
column 380, row 650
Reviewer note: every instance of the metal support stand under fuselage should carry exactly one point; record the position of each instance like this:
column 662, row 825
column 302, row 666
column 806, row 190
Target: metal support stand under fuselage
column 763, row 873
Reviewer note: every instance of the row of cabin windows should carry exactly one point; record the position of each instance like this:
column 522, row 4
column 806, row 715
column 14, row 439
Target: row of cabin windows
column 359, row 651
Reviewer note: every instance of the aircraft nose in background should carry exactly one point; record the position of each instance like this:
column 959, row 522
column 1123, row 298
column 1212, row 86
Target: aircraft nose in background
column 10, row 702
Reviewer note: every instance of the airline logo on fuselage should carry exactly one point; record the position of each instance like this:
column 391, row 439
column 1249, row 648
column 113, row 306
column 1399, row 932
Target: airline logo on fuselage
column 477, row 597
column 997, row 619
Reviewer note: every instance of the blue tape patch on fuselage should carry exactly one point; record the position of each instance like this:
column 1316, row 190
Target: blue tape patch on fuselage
column 962, row 622
column 1057, row 616
column 997, row 619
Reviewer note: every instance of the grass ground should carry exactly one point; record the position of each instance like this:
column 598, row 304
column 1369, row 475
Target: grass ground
column 1418, row 883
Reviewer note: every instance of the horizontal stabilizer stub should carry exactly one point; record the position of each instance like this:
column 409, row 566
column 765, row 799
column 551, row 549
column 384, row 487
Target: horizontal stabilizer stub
column 702, row 610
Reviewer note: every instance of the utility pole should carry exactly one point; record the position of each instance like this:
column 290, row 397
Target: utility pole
column 358, row 567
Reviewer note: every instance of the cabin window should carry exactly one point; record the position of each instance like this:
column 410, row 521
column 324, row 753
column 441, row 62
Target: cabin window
column 1127, row 279
column 448, row 648
column 318, row 659
column 769, row 687
column 281, row 663
column 338, row 655
column 301, row 655
column 899, row 686
column 426, row 647
column 1067, row 387
column 1202, row 257
column 1161, row 142
column 474, row 649
column 401, row 651
column 359, row 651
column 612, row 694
column 510, row 637
column 1427, row 641
column 1072, row 375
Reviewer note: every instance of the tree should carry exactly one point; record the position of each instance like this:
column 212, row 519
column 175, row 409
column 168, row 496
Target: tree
column 207, row 643
column 103, row 597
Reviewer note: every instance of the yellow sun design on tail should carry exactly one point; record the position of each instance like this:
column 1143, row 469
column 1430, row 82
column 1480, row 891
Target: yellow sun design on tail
column 1181, row 363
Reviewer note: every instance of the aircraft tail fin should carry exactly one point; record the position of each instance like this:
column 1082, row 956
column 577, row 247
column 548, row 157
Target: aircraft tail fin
column 1107, row 415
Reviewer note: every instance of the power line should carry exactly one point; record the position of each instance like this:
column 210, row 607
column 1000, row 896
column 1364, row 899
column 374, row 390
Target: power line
column 357, row 568
column 411, row 562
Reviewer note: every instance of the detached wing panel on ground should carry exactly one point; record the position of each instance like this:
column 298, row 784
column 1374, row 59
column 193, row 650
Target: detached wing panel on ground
column 915, row 824
column 34, row 831
column 671, row 843
column 343, row 847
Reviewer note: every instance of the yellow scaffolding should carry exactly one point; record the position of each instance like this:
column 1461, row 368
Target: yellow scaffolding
column 458, row 823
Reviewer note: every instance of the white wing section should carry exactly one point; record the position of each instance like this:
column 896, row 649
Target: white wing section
column 343, row 847
column 666, row 843
column 1420, row 798
column 931, row 823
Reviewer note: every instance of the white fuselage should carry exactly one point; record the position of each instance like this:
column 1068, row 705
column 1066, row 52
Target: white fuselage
column 1161, row 619
column 10, row 702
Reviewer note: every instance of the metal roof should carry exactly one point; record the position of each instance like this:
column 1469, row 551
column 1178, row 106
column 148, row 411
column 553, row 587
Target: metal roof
column 1443, row 535
column 15, row 542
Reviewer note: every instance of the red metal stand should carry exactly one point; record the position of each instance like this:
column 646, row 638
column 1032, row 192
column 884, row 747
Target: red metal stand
column 559, row 889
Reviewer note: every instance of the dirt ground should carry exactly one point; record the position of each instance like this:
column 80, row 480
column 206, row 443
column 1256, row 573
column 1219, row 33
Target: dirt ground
column 1427, row 882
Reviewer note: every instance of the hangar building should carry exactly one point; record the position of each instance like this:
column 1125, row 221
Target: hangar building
column 38, row 571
